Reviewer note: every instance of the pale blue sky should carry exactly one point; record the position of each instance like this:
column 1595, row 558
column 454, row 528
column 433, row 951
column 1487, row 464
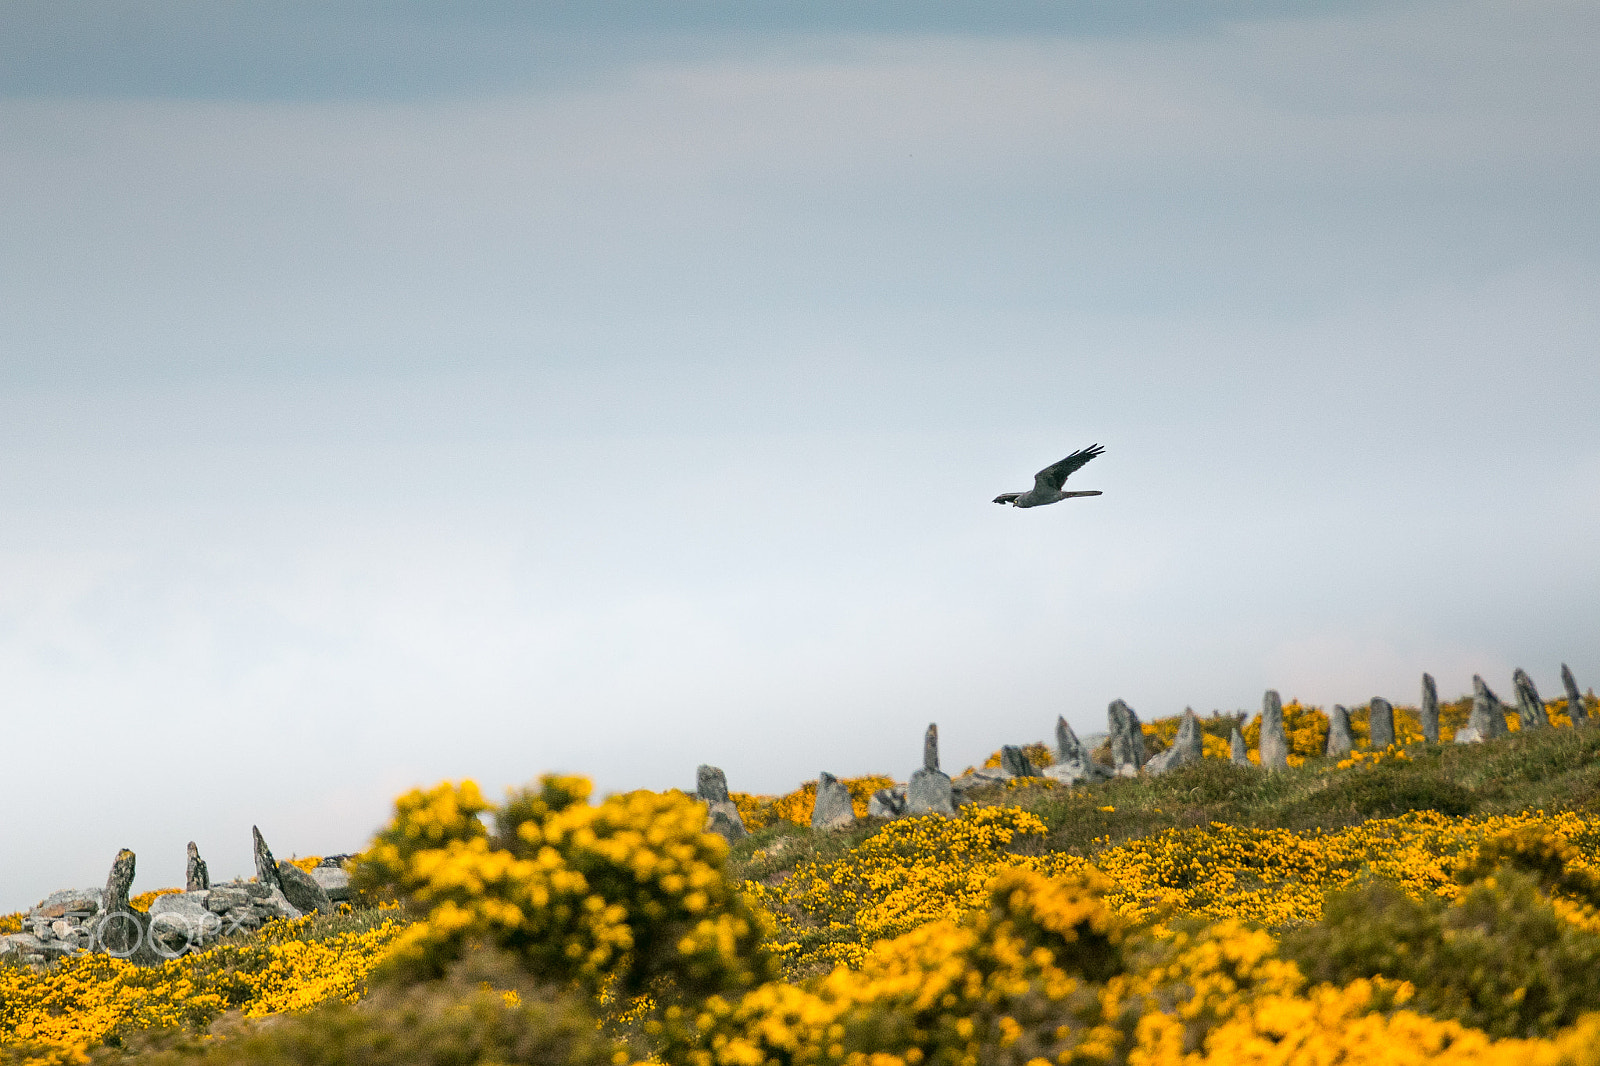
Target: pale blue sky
column 391, row 392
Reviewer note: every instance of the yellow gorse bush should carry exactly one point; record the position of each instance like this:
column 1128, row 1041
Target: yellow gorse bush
column 58, row 1014
column 919, row 870
column 622, row 892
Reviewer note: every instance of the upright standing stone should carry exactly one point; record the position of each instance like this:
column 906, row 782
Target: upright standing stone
column 118, row 883
column 1430, row 710
column 266, row 865
column 722, row 814
column 1274, row 739
column 833, row 809
column 1127, row 739
column 1073, row 761
column 930, row 792
column 1238, row 752
column 1380, row 723
column 1575, row 708
column 1187, row 747
column 1340, row 740
column 196, row 878
column 1530, row 708
column 121, row 929
column 1488, row 718
column 1015, row 761
column 930, row 747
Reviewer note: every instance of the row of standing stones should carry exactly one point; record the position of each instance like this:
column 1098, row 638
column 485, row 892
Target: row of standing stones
column 930, row 791
column 77, row 921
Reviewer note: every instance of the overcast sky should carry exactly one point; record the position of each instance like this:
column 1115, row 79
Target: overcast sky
column 392, row 392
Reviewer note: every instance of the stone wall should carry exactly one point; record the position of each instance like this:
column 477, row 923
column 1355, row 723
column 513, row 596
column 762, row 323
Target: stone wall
column 76, row 921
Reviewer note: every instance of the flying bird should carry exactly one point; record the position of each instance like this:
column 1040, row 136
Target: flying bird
column 1047, row 482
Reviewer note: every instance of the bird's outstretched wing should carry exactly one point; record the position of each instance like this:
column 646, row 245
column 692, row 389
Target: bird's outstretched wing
column 1052, row 477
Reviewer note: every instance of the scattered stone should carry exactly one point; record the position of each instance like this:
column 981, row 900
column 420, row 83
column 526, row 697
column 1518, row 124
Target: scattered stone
column 833, row 809
column 1238, row 751
column 722, row 814
column 1073, row 762
column 1488, row 718
column 336, row 882
column 1274, row 740
column 196, row 877
column 1015, row 761
column 1575, row 707
column 225, row 898
column 930, row 747
column 1127, row 739
column 266, row 865
column 1430, row 710
column 980, row 777
column 1380, row 723
column 1187, row 746
column 183, row 922
column 887, row 803
column 1530, row 708
column 78, row 902
column 302, row 890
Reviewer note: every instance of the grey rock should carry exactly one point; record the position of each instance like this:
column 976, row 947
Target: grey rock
column 114, row 899
column 1073, row 762
column 23, row 943
column 1530, row 708
column 723, row 819
column 1187, row 747
column 266, row 865
column 1468, row 734
column 69, row 901
column 1575, row 708
column 833, row 808
column 981, row 777
column 277, row 905
column 930, row 747
column 1430, row 710
column 1238, row 751
column 1380, row 723
column 1488, row 718
column 302, row 890
column 195, row 877
column 1340, row 740
column 722, row 814
column 1127, row 739
column 710, row 783
column 336, row 882
column 1274, row 739
column 887, row 803
column 183, row 922
column 226, row 898
column 1015, row 761
column 930, row 792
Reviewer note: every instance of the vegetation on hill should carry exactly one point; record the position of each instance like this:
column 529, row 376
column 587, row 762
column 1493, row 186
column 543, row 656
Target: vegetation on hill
column 1435, row 904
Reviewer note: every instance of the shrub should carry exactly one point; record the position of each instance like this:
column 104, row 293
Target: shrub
column 1500, row 958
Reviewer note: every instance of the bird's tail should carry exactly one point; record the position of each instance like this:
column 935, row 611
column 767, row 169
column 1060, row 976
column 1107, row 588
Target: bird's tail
column 1090, row 492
